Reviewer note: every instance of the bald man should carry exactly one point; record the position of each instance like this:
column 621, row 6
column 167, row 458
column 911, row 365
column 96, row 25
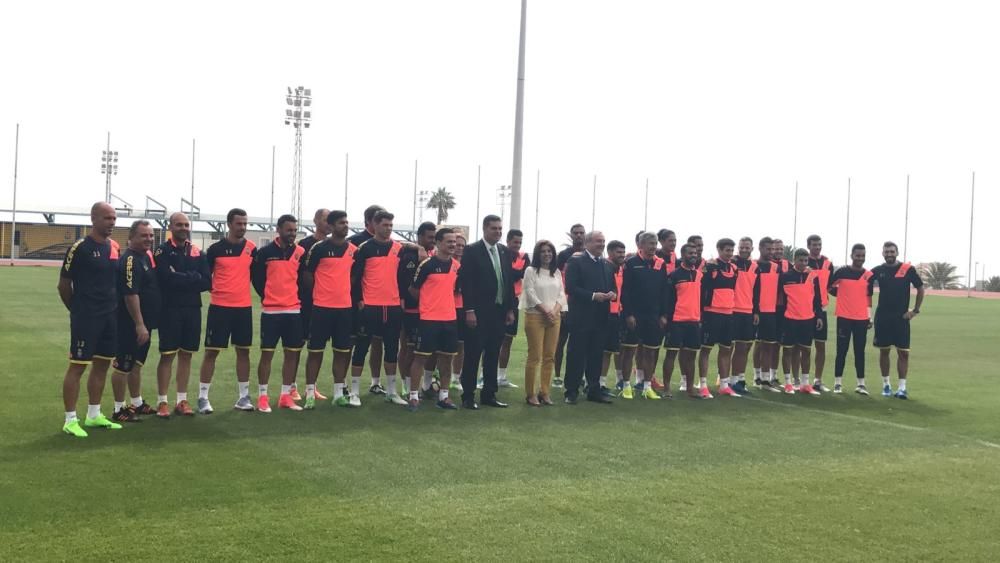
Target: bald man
column 183, row 274
column 87, row 289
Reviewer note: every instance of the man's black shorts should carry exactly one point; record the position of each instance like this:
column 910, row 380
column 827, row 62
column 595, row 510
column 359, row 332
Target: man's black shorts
column 615, row 333
column 511, row 329
column 331, row 325
column 821, row 333
column 411, row 329
column 129, row 354
column 647, row 332
column 686, row 335
column 798, row 333
column 743, row 329
column 180, row 329
column 891, row 330
column 437, row 337
column 286, row 327
column 383, row 322
column 767, row 327
column 92, row 337
column 716, row 328
column 225, row 323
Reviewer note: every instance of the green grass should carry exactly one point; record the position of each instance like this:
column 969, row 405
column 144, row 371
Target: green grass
column 773, row 478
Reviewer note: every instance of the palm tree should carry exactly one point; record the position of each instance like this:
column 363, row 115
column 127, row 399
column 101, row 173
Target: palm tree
column 442, row 201
column 993, row 284
column 940, row 275
column 789, row 252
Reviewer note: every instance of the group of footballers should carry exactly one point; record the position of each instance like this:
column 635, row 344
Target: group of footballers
column 400, row 302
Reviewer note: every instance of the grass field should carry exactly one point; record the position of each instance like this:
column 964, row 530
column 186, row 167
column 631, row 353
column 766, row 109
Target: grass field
column 768, row 478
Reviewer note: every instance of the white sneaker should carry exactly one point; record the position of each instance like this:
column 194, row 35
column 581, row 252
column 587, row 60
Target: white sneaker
column 354, row 400
column 506, row 383
column 395, row 399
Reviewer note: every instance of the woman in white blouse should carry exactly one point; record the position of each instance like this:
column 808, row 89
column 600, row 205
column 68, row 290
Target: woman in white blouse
column 542, row 298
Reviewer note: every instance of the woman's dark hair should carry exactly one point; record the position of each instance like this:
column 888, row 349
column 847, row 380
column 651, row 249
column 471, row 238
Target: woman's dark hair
column 536, row 256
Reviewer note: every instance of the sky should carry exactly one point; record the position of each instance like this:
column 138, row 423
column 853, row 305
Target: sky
column 722, row 106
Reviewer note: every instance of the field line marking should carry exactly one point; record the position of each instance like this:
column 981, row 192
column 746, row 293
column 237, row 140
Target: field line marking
column 882, row 422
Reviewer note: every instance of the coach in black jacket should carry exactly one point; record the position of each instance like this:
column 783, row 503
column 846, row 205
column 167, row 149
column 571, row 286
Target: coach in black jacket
column 591, row 287
column 487, row 284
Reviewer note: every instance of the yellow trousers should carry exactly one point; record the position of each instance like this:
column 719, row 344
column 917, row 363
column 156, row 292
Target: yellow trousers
column 542, row 341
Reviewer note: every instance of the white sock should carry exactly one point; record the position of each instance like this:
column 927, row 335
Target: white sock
column 501, row 373
column 137, row 401
column 457, row 376
column 376, row 380
column 355, row 386
column 703, row 381
column 286, row 389
column 442, row 394
column 182, row 397
column 788, row 379
column 310, row 391
column 161, row 399
column 646, row 385
column 838, row 380
column 244, row 387
column 885, row 381
column 428, row 379
column 414, row 395
column 771, row 375
column 93, row 411
column 262, row 390
column 805, row 379
column 295, row 386
column 203, row 390
column 861, row 381
column 724, row 382
column 618, row 376
column 639, row 376
column 740, row 377
column 390, row 384
column 70, row 416
column 902, row 385
column 756, row 373
column 602, row 381
column 119, row 405
column 338, row 390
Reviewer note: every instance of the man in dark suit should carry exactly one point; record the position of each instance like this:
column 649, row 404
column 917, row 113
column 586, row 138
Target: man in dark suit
column 487, row 284
column 591, row 287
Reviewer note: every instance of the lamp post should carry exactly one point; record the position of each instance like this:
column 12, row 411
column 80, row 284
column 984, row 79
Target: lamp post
column 109, row 167
column 503, row 196
column 298, row 117
column 422, row 197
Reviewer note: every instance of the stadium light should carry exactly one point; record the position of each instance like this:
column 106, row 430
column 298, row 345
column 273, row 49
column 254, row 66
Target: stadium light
column 298, row 119
column 109, row 168
column 423, row 196
column 503, row 196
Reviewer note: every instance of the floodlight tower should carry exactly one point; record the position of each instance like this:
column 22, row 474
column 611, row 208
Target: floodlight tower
column 298, row 117
column 109, row 167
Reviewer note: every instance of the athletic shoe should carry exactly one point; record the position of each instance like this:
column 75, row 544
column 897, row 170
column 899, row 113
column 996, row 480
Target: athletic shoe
column 479, row 383
column 818, row 385
column 861, row 390
column 144, row 409
column 126, row 414
column 506, row 383
column 758, row 383
column 353, row 400
column 73, row 427
column 626, row 392
column 204, row 407
column 285, row 401
column 728, row 392
column 557, row 382
column 683, row 386
column 183, row 408
column 838, row 389
column 808, row 390
column 740, row 387
column 901, row 395
column 650, row 394
column 446, row 405
column 705, row 393
column 319, row 396
column 245, row 403
column 395, row 399
column 294, row 394
column 656, row 385
column 163, row 411
column 101, row 421
column 413, row 405
column 376, row 389
column 310, row 403
column 887, row 391
column 789, row 389
column 796, row 386
column 264, row 404
column 773, row 386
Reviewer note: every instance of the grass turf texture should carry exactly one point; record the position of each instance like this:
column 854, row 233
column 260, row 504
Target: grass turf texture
column 768, row 478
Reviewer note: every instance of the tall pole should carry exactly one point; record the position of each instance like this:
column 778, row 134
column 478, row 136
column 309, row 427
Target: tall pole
column 13, row 216
column 906, row 218
column 479, row 178
column 515, row 189
column 972, row 216
column 847, row 230
column 795, row 216
column 192, row 171
column 107, row 177
column 645, row 207
column 414, row 223
column 538, row 190
column 273, row 152
column 347, row 163
column 593, row 205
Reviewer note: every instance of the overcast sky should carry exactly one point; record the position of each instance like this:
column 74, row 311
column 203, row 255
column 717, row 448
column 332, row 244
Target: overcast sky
column 721, row 105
